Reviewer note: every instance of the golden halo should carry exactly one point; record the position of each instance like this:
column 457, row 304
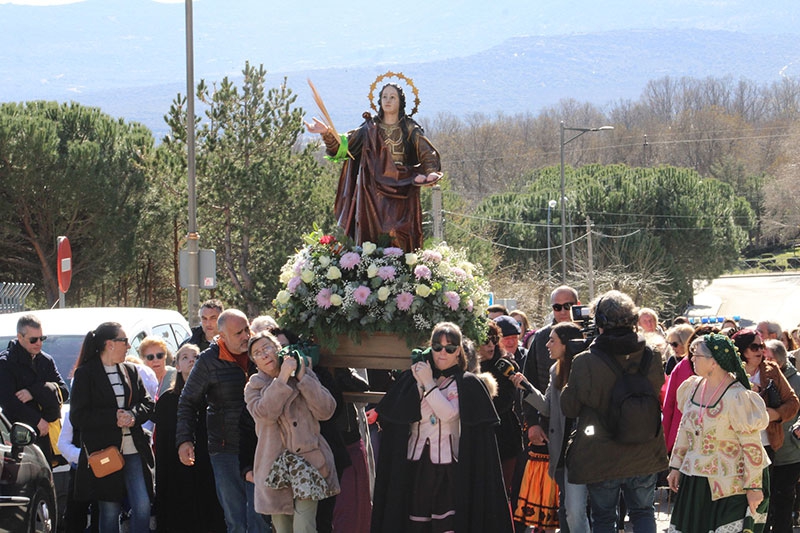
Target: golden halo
column 398, row 75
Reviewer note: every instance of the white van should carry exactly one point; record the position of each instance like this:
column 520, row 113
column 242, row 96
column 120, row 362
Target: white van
column 65, row 329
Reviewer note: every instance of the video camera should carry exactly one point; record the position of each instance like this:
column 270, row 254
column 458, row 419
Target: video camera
column 582, row 315
column 308, row 352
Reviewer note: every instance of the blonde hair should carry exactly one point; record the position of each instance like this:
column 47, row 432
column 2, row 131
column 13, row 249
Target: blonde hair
column 152, row 340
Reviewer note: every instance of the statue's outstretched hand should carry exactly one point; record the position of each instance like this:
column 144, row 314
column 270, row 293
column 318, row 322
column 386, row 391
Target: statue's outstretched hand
column 430, row 179
column 317, row 126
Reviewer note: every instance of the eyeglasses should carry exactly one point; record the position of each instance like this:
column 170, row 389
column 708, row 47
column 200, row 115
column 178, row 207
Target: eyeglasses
column 151, row 356
column 120, row 339
column 756, row 346
column 566, row 306
column 34, row 340
column 674, row 344
column 450, row 348
column 264, row 352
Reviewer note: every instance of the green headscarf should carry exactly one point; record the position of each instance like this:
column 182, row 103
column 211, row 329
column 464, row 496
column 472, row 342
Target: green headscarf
column 727, row 356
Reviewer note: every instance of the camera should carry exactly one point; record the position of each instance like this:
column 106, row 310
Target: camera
column 308, row 352
column 582, row 315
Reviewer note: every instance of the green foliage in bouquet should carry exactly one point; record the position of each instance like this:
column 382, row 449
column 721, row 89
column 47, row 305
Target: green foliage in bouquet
column 334, row 287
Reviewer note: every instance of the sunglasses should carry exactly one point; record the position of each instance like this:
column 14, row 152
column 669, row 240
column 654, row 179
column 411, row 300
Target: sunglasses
column 756, row 346
column 151, row 356
column 450, row 348
column 120, row 339
column 565, row 307
column 34, row 340
column 674, row 344
column 494, row 339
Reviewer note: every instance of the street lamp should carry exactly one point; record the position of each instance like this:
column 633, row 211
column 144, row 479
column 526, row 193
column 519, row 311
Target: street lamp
column 580, row 131
column 550, row 206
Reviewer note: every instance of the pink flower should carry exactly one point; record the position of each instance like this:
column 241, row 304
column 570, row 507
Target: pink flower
column 393, row 252
column 422, row 272
column 349, row 260
column 470, row 305
column 327, row 239
column 453, row 299
column 404, row 300
column 361, row 294
column 386, row 272
column 460, row 273
column 324, row 298
column 432, row 256
column 293, row 284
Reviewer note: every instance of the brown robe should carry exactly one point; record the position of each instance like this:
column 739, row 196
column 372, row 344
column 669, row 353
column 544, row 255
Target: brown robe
column 376, row 195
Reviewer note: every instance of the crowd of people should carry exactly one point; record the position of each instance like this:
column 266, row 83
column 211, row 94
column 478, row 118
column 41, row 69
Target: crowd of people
column 570, row 427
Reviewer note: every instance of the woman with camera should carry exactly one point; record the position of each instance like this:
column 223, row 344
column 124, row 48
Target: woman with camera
column 438, row 468
column 108, row 406
column 294, row 466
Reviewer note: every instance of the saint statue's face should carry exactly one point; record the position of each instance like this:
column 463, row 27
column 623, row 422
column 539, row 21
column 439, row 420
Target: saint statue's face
column 390, row 100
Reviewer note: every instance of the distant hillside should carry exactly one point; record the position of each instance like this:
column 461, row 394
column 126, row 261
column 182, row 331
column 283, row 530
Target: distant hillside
column 521, row 75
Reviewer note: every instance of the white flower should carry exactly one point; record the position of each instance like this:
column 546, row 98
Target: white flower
column 333, row 273
column 383, row 293
column 307, row 276
column 283, row 297
column 324, row 261
column 372, row 270
column 423, row 290
column 286, row 275
column 336, row 300
column 411, row 259
column 368, row 247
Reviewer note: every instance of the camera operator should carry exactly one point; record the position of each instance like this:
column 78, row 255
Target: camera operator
column 619, row 452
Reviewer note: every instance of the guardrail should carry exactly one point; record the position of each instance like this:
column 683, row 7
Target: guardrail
column 13, row 295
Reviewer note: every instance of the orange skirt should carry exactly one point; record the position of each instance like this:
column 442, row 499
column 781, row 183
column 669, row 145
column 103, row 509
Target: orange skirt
column 537, row 504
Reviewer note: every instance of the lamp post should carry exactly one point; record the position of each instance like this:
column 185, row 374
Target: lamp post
column 550, row 206
column 580, row 131
column 193, row 238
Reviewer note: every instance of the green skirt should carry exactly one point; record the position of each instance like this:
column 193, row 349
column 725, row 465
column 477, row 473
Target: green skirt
column 695, row 512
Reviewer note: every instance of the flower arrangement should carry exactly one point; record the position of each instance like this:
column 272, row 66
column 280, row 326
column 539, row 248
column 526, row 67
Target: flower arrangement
column 333, row 287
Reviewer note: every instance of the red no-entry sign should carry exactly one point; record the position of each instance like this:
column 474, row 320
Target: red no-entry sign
column 64, row 266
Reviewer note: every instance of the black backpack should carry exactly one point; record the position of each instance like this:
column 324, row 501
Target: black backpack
column 634, row 412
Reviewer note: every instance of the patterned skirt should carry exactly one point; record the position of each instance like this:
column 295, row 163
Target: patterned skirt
column 695, row 512
column 537, row 503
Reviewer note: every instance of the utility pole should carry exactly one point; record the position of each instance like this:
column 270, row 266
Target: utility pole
column 589, row 257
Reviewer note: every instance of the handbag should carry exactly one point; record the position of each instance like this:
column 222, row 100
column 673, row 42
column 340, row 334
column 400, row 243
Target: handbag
column 54, row 431
column 109, row 460
column 106, row 461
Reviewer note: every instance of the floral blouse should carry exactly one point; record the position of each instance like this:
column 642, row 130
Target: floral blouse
column 722, row 442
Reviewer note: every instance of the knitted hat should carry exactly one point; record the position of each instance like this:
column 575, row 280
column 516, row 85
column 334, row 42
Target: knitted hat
column 726, row 355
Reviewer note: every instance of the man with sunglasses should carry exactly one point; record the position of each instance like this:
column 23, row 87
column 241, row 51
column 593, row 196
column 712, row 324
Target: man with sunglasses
column 538, row 362
column 31, row 389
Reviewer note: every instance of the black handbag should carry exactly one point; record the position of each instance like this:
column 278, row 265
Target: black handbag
column 771, row 395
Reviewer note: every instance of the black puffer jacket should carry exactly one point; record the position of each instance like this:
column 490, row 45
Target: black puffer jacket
column 219, row 384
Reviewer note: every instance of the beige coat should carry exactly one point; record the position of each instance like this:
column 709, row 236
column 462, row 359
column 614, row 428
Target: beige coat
column 287, row 417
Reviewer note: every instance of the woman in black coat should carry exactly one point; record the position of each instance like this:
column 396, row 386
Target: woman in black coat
column 109, row 404
column 186, row 500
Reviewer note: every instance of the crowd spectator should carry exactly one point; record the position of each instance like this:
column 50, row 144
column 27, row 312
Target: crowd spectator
column 203, row 335
column 108, row 407
column 154, row 353
column 217, row 381
column 786, row 464
column 596, row 457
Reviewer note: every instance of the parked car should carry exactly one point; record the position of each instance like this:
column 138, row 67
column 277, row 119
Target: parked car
column 66, row 328
column 27, row 492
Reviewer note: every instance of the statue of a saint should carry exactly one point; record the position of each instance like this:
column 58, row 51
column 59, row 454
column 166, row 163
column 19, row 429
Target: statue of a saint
column 388, row 159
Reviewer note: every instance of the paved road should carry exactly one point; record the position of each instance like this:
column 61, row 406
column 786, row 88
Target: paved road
column 754, row 298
